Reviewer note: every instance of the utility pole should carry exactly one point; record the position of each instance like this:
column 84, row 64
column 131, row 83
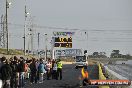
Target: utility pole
column 7, row 6
column 32, row 48
column 28, row 42
column 86, row 33
column 4, row 32
column 25, row 31
column 38, row 44
column 25, row 21
column 1, row 35
column 45, row 47
column 52, row 46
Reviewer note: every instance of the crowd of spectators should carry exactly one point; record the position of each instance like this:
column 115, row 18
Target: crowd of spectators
column 14, row 72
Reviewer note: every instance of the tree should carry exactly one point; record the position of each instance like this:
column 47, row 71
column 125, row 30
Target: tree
column 115, row 54
column 116, row 51
column 102, row 55
column 95, row 54
column 128, row 56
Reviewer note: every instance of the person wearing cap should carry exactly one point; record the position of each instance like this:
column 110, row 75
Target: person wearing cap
column 59, row 69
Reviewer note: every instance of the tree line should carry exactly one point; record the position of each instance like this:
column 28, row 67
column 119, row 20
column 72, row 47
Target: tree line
column 114, row 54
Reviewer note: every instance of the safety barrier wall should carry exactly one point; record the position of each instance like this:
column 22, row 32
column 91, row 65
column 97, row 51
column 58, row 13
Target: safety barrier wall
column 114, row 75
column 101, row 76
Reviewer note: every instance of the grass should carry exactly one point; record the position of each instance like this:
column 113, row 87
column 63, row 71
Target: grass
column 11, row 52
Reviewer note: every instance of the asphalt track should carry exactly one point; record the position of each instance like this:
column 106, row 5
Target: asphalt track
column 70, row 78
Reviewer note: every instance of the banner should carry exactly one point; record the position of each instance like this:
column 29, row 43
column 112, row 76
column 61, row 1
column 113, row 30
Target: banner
column 69, row 52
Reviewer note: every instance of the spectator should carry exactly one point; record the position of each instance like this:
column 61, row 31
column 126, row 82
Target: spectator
column 2, row 60
column 54, row 69
column 21, row 69
column 33, row 70
column 6, row 72
column 37, row 64
column 14, row 76
column 41, row 70
column 27, row 73
column 48, row 69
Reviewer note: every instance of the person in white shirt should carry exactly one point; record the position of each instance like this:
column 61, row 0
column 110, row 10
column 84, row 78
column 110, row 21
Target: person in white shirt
column 48, row 69
column 54, row 70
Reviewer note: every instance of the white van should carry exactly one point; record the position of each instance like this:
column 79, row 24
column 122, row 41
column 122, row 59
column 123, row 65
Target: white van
column 81, row 61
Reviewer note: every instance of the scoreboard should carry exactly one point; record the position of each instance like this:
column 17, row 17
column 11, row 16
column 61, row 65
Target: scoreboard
column 63, row 39
column 65, row 42
column 65, row 45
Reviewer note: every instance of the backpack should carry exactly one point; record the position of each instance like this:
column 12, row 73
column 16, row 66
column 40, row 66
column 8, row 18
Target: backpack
column 41, row 68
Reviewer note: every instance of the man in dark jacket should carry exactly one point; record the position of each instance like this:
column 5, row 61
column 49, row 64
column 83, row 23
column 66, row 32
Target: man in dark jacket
column 21, row 69
column 2, row 61
column 33, row 70
column 6, row 72
column 14, row 77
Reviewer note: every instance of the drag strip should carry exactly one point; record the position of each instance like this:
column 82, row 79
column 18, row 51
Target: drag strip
column 122, row 69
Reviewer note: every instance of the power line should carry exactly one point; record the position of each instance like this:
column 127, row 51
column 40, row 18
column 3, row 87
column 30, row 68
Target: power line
column 73, row 29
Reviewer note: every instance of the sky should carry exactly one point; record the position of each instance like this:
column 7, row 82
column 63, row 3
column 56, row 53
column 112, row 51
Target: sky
column 108, row 23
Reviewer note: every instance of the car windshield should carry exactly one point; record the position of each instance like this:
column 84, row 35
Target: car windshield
column 80, row 59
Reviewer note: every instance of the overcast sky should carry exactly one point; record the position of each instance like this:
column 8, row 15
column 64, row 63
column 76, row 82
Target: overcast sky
column 112, row 17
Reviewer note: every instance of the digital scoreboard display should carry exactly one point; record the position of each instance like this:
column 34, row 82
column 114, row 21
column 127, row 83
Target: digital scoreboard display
column 65, row 42
column 63, row 39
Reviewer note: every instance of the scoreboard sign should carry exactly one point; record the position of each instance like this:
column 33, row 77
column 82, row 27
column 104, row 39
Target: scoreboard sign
column 65, row 42
column 65, row 45
column 63, row 39
column 68, row 52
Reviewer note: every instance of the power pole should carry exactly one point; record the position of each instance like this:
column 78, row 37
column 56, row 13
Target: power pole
column 32, row 30
column 86, row 33
column 32, row 48
column 1, row 34
column 45, row 47
column 4, row 33
column 7, row 6
column 25, row 31
column 25, row 27
column 28, row 42
column 38, row 44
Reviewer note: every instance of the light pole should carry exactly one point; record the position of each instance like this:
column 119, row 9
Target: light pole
column 26, row 13
column 38, row 44
column 45, row 47
column 86, row 33
column 52, row 48
column 28, row 42
column 7, row 6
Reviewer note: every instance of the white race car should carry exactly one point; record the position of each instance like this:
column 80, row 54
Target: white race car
column 81, row 61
